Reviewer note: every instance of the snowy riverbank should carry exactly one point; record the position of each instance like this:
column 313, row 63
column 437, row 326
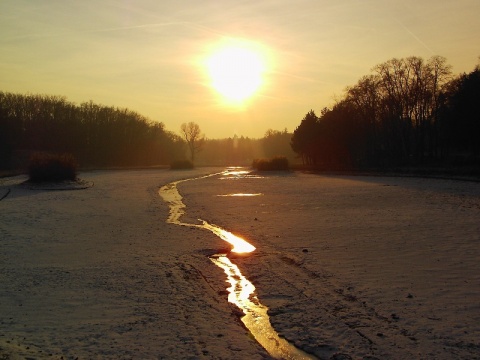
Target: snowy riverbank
column 360, row 266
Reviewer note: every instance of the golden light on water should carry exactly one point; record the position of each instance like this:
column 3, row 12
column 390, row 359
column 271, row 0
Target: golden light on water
column 239, row 244
column 256, row 319
column 241, row 195
column 170, row 194
column 238, row 173
column 241, row 290
column 235, row 172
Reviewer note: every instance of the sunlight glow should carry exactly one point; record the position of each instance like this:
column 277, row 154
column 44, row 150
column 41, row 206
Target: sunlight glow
column 240, row 195
column 170, row 194
column 241, row 291
column 256, row 319
column 239, row 244
column 236, row 70
column 236, row 172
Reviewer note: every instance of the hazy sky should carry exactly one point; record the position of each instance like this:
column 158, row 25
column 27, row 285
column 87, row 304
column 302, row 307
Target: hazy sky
column 148, row 55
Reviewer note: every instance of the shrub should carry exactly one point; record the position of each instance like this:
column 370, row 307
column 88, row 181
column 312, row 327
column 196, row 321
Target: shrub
column 278, row 163
column 45, row 167
column 181, row 164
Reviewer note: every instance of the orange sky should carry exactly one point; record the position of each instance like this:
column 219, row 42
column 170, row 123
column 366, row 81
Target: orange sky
column 149, row 55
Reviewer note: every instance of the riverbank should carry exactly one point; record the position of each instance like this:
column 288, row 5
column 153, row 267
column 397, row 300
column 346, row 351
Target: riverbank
column 366, row 267
column 465, row 173
column 98, row 274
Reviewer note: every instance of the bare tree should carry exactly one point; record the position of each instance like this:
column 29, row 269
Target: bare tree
column 193, row 136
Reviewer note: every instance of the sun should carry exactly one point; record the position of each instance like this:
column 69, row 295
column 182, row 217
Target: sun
column 236, row 71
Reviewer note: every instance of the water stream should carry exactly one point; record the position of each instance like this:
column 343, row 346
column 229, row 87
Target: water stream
column 241, row 290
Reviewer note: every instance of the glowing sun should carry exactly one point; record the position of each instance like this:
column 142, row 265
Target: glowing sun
column 236, row 71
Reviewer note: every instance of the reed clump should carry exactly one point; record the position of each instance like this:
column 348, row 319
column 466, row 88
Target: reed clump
column 181, row 164
column 47, row 167
column 277, row 163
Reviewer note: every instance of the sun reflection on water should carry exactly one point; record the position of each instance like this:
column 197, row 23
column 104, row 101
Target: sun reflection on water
column 242, row 194
column 256, row 319
column 239, row 244
column 241, row 290
column 236, row 173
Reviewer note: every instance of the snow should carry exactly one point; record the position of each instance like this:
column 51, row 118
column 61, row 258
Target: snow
column 364, row 267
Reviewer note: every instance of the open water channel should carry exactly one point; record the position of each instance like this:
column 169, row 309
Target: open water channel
column 241, row 290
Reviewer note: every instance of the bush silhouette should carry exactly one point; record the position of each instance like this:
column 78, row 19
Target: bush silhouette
column 44, row 167
column 181, row 164
column 278, row 163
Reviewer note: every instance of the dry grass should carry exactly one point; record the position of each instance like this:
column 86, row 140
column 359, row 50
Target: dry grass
column 278, row 163
column 45, row 167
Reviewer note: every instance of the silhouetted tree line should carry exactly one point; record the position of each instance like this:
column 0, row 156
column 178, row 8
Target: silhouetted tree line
column 409, row 112
column 241, row 151
column 233, row 151
column 96, row 135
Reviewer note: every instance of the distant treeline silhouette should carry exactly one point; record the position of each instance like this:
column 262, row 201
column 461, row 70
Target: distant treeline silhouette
column 95, row 135
column 408, row 113
column 101, row 136
column 241, row 151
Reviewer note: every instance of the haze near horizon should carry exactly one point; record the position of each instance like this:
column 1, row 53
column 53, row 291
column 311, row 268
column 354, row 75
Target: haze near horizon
column 176, row 63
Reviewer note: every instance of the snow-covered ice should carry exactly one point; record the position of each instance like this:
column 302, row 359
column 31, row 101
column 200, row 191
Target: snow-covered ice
column 360, row 267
